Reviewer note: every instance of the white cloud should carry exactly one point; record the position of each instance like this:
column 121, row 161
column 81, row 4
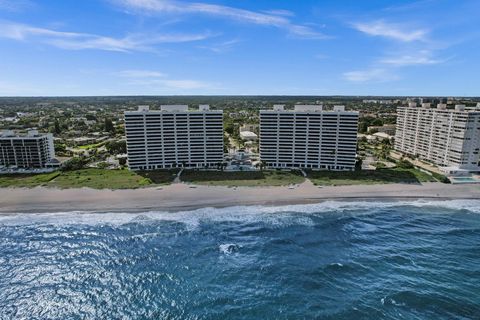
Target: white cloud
column 156, row 79
column 274, row 19
column 79, row 41
column 222, row 46
column 141, row 74
column 280, row 12
column 376, row 74
column 423, row 57
column 394, row 31
column 19, row 31
column 14, row 5
column 185, row 84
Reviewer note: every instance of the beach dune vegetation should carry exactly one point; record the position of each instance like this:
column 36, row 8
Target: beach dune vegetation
column 27, row 180
column 90, row 178
column 379, row 176
column 243, row 178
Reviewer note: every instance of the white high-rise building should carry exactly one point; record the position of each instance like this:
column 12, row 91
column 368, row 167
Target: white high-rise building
column 446, row 137
column 308, row 137
column 174, row 137
column 31, row 151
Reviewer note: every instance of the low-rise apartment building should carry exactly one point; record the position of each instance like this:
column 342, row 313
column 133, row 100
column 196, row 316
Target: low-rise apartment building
column 29, row 151
column 386, row 128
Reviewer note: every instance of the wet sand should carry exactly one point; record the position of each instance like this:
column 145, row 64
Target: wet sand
column 178, row 197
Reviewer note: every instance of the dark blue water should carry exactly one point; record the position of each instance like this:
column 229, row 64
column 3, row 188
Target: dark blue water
column 328, row 261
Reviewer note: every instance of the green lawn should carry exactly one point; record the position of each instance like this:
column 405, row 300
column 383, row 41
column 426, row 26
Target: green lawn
column 27, row 180
column 379, row 176
column 92, row 146
column 90, row 178
column 242, row 178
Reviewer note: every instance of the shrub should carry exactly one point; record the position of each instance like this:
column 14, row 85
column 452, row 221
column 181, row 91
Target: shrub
column 441, row 177
column 380, row 165
column 75, row 163
column 404, row 164
column 102, row 165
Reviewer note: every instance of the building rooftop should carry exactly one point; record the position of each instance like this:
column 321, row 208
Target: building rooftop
column 309, row 108
column 443, row 107
column 7, row 133
column 382, row 135
column 173, row 108
column 388, row 125
column 29, row 134
column 248, row 135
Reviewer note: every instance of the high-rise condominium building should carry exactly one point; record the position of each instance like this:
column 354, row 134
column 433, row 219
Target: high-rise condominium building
column 33, row 150
column 445, row 137
column 308, row 137
column 174, row 137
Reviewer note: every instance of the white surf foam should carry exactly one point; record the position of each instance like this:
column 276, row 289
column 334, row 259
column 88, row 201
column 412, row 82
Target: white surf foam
column 228, row 248
column 272, row 215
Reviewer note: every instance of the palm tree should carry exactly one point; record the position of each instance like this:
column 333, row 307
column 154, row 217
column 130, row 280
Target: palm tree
column 263, row 164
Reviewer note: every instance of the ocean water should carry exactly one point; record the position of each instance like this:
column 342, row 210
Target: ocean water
column 357, row 260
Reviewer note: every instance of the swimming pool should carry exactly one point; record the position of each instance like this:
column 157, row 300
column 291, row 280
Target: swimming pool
column 464, row 180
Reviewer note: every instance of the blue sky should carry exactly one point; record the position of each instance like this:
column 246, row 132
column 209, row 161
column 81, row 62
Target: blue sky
column 270, row 47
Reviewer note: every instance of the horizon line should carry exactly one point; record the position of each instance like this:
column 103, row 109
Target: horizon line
column 240, row 95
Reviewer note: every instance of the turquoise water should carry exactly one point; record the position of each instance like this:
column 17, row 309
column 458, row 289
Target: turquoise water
column 464, row 179
column 361, row 260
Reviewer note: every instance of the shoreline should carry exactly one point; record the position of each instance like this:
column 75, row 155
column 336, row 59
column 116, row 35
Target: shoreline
column 182, row 197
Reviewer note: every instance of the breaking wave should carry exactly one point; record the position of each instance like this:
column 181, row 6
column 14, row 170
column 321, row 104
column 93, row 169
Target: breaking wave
column 345, row 260
column 269, row 214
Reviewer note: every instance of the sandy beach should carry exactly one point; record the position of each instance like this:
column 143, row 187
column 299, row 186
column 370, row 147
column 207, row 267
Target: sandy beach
column 177, row 197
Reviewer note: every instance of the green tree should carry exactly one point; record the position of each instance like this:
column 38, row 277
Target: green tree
column 81, row 125
column 116, row 147
column 109, row 126
column 90, row 117
column 122, row 161
column 404, row 164
column 75, row 163
column 60, row 147
column 363, row 140
column 57, row 129
column 363, row 127
column 102, row 165
column 226, row 143
column 358, row 164
column 229, row 127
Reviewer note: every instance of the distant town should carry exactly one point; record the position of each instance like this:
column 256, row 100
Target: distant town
column 131, row 142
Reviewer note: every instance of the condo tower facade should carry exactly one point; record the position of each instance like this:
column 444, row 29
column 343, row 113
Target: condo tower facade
column 174, row 137
column 446, row 137
column 31, row 151
column 308, row 137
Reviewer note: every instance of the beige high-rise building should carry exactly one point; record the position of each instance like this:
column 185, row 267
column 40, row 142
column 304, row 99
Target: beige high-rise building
column 445, row 137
